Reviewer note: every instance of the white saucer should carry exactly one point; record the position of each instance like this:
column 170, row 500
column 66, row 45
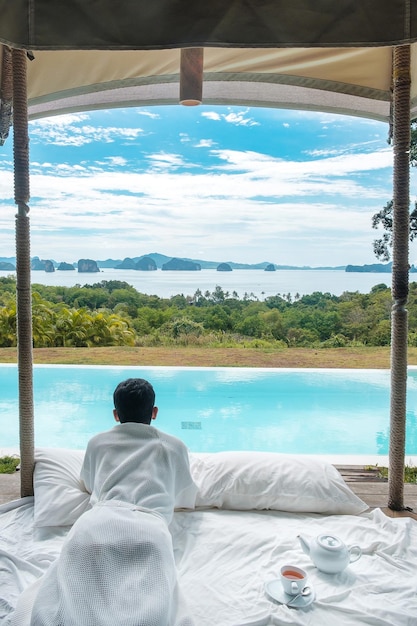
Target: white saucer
column 275, row 590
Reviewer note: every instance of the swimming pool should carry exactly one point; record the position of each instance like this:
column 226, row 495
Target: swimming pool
column 317, row 411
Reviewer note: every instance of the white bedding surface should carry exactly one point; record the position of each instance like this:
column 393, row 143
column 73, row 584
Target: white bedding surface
column 225, row 557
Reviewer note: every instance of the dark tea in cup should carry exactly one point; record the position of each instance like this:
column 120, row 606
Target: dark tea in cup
column 293, row 579
column 292, row 574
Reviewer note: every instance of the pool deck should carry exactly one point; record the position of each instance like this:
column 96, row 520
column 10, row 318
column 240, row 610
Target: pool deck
column 372, row 489
column 366, row 483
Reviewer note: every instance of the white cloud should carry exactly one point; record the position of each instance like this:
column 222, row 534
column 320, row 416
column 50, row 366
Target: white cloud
column 238, row 118
column 67, row 119
column 64, row 131
column 345, row 148
column 165, row 161
column 267, row 166
column 45, row 165
column 324, row 152
column 205, row 143
column 152, row 115
column 116, row 160
column 211, row 115
column 255, row 185
column 313, row 205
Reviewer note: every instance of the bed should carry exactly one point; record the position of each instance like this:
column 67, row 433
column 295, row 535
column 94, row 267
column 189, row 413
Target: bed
column 250, row 509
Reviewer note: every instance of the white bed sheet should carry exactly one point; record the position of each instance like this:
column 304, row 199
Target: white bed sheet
column 225, row 557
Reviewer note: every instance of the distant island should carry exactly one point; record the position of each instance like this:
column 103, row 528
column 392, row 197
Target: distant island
column 64, row 267
column 145, row 264
column 162, row 259
column 181, row 265
column 154, row 261
column 6, row 266
column 375, row 268
column 87, row 266
column 224, row 267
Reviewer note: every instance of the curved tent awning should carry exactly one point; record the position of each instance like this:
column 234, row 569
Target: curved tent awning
column 355, row 81
column 352, row 81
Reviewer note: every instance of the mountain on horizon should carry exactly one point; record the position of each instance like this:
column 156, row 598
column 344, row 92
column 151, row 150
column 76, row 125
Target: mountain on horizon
column 161, row 259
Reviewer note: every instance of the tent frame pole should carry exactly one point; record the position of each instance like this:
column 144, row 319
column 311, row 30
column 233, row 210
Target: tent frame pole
column 400, row 273
column 23, row 271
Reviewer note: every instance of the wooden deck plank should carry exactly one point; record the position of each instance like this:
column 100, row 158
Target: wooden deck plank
column 358, row 473
column 368, row 485
column 9, row 487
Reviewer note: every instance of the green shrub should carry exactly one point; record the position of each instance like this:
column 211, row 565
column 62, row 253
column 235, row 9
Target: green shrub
column 8, row 464
column 410, row 473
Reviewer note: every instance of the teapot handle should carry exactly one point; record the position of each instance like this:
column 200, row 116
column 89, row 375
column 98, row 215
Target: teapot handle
column 355, row 553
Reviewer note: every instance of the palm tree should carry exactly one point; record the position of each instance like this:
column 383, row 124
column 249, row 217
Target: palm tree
column 109, row 329
column 43, row 322
column 8, row 324
column 72, row 326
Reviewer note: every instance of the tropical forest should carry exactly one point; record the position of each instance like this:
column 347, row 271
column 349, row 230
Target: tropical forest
column 113, row 313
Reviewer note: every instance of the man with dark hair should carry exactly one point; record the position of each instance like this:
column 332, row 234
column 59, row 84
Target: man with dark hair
column 117, row 563
column 134, row 401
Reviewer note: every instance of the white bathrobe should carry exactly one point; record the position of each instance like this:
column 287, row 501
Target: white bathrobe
column 117, row 564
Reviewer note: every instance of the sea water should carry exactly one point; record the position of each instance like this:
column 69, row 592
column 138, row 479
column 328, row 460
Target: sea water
column 257, row 282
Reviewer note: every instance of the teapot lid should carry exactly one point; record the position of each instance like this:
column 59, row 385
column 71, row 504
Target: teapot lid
column 330, row 542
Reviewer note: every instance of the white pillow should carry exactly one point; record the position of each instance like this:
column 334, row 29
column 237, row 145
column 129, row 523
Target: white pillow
column 228, row 480
column 267, row 480
column 60, row 497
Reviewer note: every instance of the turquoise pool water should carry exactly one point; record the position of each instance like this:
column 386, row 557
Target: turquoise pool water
column 326, row 412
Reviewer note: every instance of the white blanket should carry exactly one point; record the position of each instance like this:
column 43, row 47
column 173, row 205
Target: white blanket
column 126, row 574
column 224, row 555
column 224, row 559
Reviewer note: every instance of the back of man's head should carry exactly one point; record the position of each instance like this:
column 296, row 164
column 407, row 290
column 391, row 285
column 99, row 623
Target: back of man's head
column 134, row 400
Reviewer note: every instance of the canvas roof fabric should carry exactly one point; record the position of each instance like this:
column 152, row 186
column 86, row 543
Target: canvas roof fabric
column 306, row 54
column 141, row 24
column 353, row 81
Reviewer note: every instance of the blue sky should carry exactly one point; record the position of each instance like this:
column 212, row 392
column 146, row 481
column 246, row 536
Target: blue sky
column 216, row 183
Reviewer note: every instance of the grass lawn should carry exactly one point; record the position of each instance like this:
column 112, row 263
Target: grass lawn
column 367, row 358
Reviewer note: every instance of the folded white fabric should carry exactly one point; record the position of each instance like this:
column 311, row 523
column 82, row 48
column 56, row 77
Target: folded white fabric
column 267, row 480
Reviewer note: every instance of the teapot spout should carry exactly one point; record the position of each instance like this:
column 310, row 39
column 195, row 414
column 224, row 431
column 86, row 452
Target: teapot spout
column 305, row 543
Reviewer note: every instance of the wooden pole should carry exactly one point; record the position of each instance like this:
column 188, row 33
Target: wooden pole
column 400, row 274
column 191, row 76
column 23, row 268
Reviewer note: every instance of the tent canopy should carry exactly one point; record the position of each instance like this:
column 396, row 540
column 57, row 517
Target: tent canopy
column 306, row 54
column 354, row 81
column 141, row 24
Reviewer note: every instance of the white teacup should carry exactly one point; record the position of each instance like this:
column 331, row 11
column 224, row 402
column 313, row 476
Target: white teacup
column 293, row 579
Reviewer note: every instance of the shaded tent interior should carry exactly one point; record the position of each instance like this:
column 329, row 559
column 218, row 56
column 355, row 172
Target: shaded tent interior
column 353, row 58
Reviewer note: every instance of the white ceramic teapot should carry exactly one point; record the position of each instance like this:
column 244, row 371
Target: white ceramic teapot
column 328, row 553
